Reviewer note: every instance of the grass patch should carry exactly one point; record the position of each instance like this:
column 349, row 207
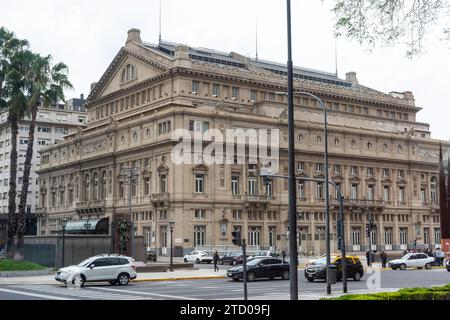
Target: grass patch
column 433, row 293
column 12, row 265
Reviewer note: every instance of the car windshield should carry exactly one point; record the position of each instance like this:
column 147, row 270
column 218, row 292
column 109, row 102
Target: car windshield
column 84, row 262
column 254, row 262
column 321, row 261
column 406, row 256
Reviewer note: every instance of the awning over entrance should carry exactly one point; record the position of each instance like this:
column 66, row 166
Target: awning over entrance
column 88, row 226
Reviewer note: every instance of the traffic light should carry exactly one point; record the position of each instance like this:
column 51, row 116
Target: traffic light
column 236, row 238
column 367, row 230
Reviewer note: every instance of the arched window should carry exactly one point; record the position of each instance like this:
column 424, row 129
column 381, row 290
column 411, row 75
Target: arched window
column 336, row 141
column 95, row 195
column 129, row 73
column 318, row 139
column 86, row 187
column 399, row 148
column 369, row 145
column 353, row 143
column 385, row 147
column 300, row 138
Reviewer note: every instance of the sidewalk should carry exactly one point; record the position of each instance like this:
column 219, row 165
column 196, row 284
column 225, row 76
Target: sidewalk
column 202, row 274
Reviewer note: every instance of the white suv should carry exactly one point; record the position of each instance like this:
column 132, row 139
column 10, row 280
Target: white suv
column 198, row 257
column 412, row 260
column 115, row 269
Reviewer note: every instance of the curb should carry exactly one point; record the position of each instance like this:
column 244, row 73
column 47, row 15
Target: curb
column 26, row 273
column 179, row 278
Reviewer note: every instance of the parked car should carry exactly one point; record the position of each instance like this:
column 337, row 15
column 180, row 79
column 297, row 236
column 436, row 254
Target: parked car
column 232, row 258
column 261, row 268
column 447, row 264
column 412, row 260
column 198, row 257
column 317, row 269
column 264, row 253
column 151, row 255
column 115, row 269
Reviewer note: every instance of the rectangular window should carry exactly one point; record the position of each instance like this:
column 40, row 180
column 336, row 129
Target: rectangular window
column 404, row 236
column 386, row 193
column 199, row 183
column 401, row 173
column 437, row 235
column 269, row 188
column 253, row 95
column 301, row 189
column 234, row 185
column 195, row 86
column 354, row 170
column 237, row 214
column 401, row 194
column 300, row 166
column 198, row 126
column 337, row 168
column 200, row 214
column 235, row 92
column 385, row 172
column 370, row 192
column 216, row 90
column 199, row 235
column 370, row 171
column 354, row 191
column 147, row 186
column 319, row 167
column 163, row 183
column 356, row 236
column 319, row 190
column 254, row 234
column 252, row 186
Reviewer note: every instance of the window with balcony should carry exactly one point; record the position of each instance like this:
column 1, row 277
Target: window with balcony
column 252, row 186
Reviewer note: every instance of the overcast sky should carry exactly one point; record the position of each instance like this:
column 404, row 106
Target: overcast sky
column 87, row 34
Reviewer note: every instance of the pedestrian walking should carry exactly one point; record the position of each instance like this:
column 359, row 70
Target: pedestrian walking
column 368, row 257
column 283, row 254
column 383, row 256
column 215, row 259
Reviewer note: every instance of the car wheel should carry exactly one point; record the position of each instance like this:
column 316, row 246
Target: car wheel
column 357, row 276
column 285, row 275
column 427, row 266
column 113, row 283
column 403, row 266
column 82, row 281
column 235, row 279
column 197, row 260
column 123, row 279
column 221, row 261
column 251, row 276
column 185, row 260
column 394, row 268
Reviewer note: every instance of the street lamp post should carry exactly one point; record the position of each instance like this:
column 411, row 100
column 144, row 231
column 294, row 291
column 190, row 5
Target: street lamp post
column 171, row 225
column 292, row 213
column 63, row 224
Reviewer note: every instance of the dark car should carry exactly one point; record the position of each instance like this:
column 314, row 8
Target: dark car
column 151, row 255
column 233, row 258
column 317, row 269
column 261, row 268
column 447, row 264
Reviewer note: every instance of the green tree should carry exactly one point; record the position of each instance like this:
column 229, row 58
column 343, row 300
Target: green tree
column 13, row 54
column 390, row 21
column 46, row 85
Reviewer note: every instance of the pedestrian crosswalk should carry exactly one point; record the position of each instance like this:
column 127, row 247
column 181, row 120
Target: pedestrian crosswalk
column 86, row 293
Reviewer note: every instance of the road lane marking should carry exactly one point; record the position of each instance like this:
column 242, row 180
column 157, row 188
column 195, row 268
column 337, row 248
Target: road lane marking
column 146, row 293
column 34, row 294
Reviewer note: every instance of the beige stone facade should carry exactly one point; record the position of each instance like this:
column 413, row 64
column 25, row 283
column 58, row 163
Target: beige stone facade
column 381, row 156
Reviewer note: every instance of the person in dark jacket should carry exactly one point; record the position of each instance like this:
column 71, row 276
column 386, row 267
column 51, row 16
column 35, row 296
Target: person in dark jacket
column 215, row 259
column 383, row 257
column 283, row 254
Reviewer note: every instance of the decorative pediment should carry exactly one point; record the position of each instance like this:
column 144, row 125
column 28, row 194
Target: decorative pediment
column 163, row 169
column 371, row 179
column 302, row 174
column 401, row 181
column 200, row 169
column 112, row 80
column 319, row 175
column 386, row 180
column 147, row 170
column 337, row 176
column 355, row 179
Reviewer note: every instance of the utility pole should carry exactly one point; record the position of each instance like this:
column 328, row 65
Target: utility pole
column 292, row 213
column 129, row 175
column 244, row 265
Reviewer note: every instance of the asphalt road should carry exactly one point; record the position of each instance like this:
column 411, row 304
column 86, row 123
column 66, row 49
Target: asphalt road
column 220, row 289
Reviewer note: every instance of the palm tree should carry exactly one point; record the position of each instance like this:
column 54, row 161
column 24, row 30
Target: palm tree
column 12, row 55
column 46, row 86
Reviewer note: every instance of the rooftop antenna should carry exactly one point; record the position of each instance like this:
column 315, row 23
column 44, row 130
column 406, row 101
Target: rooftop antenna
column 335, row 56
column 159, row 21
column 256, row 38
